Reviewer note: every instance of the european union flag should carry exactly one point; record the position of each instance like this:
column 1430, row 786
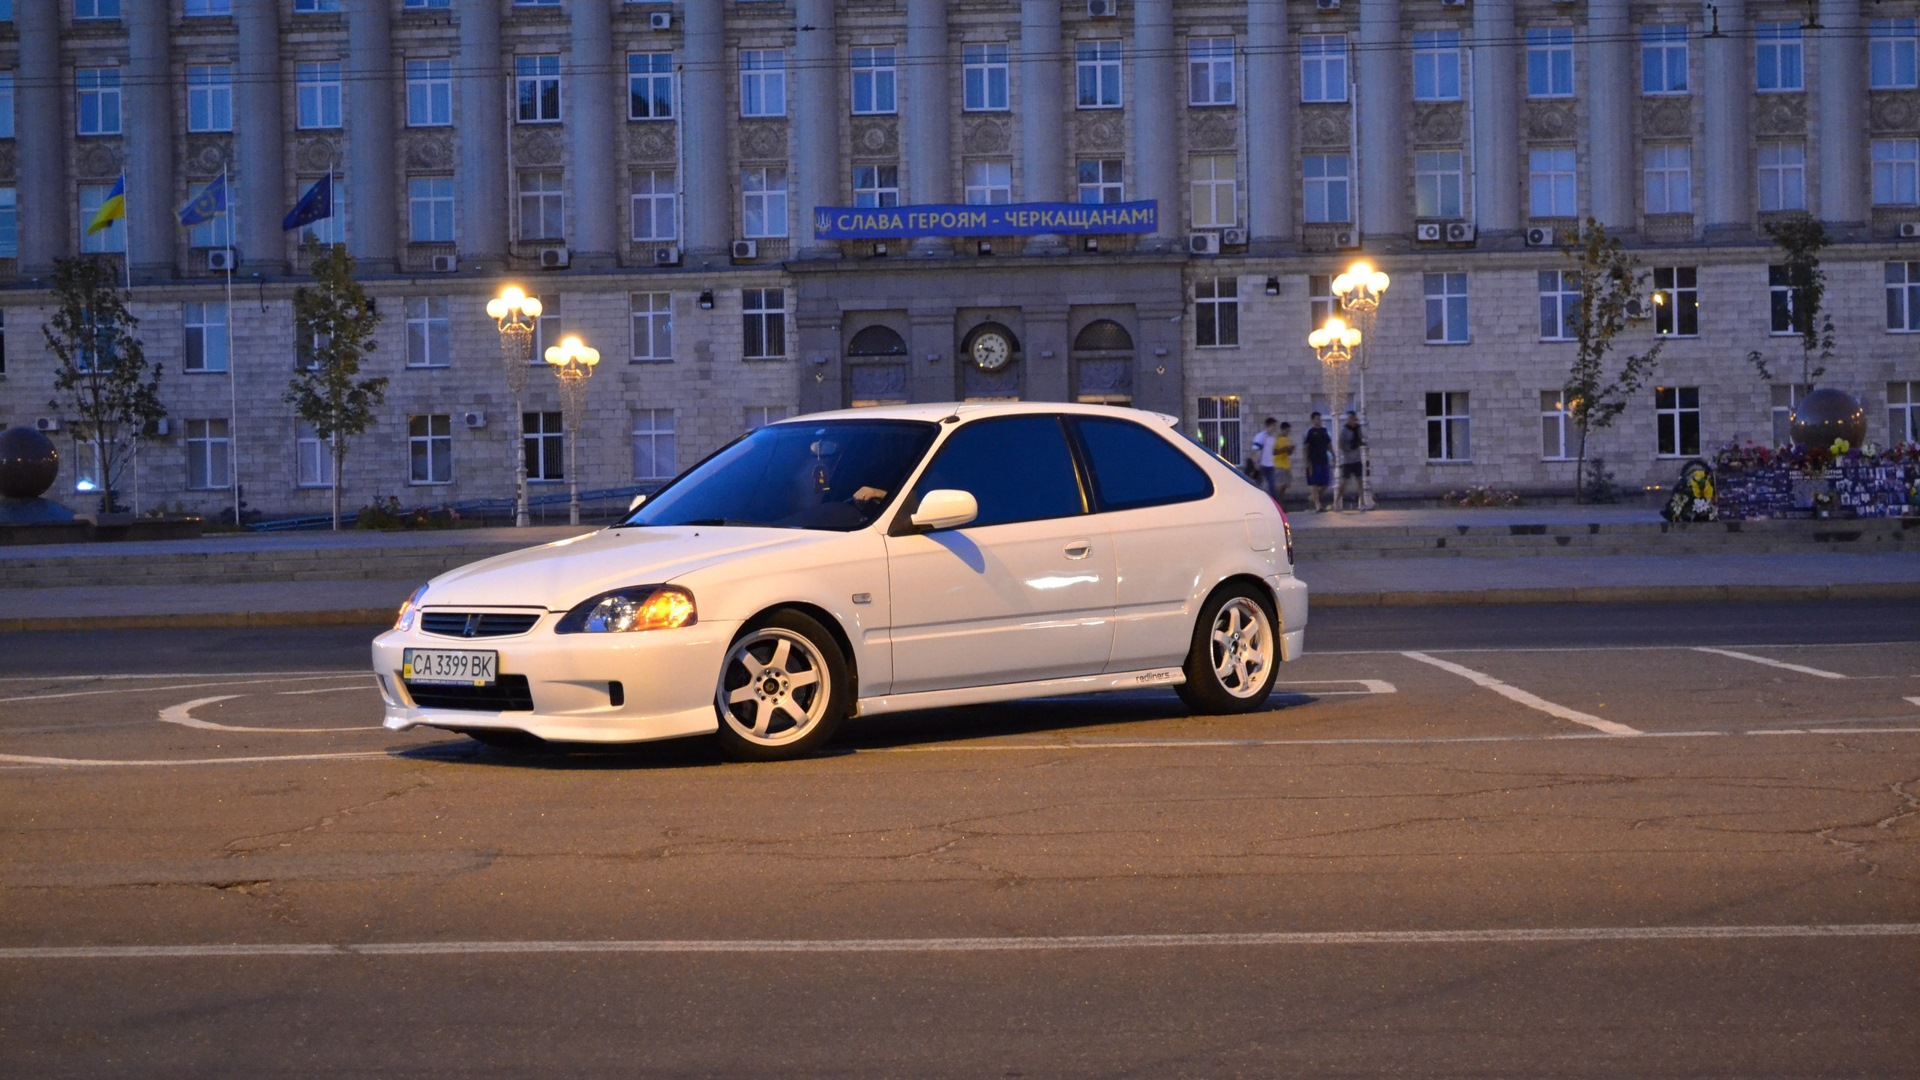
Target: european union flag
column 317, row 203
column 209, row 204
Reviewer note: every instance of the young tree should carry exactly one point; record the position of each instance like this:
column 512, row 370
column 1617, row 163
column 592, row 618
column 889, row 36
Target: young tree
column 1800, row 239
column 1609, row 280
column 334, row 322
column 102, row 365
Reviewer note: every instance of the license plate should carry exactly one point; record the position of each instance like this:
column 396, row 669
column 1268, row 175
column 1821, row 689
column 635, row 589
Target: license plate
column 450, row 667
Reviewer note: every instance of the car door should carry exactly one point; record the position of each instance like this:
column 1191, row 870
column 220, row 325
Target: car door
column 1023, row 592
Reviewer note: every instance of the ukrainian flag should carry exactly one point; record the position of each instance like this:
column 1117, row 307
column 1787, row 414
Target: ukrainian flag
column 113, row 209
column 209, row 204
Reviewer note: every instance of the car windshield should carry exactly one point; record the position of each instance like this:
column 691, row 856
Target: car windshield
column 835, row 475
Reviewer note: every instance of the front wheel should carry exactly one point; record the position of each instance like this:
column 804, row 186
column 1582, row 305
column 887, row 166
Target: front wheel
column 783, row 689
column 1232, row 661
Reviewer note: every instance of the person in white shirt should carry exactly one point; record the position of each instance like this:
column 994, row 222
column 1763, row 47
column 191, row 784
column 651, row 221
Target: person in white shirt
column 1264, row 442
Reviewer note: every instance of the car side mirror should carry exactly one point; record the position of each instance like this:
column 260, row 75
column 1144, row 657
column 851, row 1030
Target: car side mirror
column 635, row 504
column 945, row 508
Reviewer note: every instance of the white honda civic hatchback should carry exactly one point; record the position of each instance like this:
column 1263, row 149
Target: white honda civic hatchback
column 864, row 562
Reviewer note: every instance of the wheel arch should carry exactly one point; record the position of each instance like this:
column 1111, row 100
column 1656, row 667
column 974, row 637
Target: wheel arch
column 1259, row 585
column 827, row 621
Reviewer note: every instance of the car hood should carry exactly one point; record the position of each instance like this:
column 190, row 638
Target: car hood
column 559, row 575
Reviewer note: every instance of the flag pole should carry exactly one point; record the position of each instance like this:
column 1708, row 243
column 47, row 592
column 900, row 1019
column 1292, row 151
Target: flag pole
column 233, row 354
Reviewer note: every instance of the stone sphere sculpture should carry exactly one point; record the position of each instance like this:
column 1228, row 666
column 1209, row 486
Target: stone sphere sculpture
column 28, row 463
column 1828, row 414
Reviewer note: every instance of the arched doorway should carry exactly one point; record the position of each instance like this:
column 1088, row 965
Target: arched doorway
column 1103, row 364
column 876, row 368
column 990, row 364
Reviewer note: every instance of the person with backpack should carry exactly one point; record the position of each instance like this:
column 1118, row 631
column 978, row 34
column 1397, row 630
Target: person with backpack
column 1351, row 440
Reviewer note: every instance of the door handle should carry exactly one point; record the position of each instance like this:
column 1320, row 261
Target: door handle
column 1079, row 549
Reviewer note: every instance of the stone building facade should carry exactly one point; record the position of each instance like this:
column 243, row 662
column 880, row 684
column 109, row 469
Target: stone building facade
column 650, row 170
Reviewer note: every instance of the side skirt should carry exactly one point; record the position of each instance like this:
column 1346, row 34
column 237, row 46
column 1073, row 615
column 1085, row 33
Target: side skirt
column 984, row 695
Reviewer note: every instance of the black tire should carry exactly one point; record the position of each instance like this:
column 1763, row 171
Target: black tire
column 783, row 689
column 1235, row 652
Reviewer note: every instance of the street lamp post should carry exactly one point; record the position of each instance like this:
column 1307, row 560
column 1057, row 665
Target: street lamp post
column 1359, row 291
column 1334, row 344
column 515, row 313
column 573, row 362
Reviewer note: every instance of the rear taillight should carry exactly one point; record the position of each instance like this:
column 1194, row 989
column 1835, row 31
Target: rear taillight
column 1286, row 529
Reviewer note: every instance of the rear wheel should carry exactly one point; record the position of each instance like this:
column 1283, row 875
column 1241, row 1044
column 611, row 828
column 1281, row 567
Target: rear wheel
column 1231, row 663
column 783, row 689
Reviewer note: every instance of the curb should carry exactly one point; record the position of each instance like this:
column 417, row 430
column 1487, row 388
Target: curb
column 378, row 618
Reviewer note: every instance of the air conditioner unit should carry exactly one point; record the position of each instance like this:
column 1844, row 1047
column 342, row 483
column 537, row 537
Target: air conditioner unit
column 1637, row 309
column 746, row 249
column 660, row 20
column 1233, row 237
column 474, row 419
column 1427, row 232
column 1346, row 239
column 1910, row 230
column 446, row 264
column 47, row 423
column 160, row 428
column 221, row 260
column 1459, row 232
column 667, row 255
column 1327, row 5
column 555, row 258
column 1101, row 9
column 1203, row 243
column 1539, row 236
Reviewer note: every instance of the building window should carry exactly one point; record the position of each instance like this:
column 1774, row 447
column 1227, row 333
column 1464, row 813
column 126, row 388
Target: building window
column 763, row 193
column 1437, row 182
column 1676, row 412
column 1559, row 305
column 543, row 214
column 111, row 238
column 652, row 326
column 6, row 104
column 9, row 224
column 1325, row 187
column 1446, row 308
column 1903, row 297
column 759, row 416
column 1676, row 301
column 1783, row 176
column 333, row 228
column 1210, row 71
column 654, row 207
column 427, row 5
column 430, row 449
column 653, row 444
column 1777, row 57
column 1780, row 301
column 876, row 185
column 763, row 322
column 1669, row 179
column 312, row 458
column 1219, row 426
column 95, row 9
column 1097, row 67
column 536, row 81
column 1436, row 65
column 1551, row 190
column 1216, row 192
column 549, row 328
column 99, row 101
column 1216, row 312
column 1323, row 67
column 429, row 93
column 1449, row 431
column 209, row 455
column 1100, row 180
column 429, row 339
column 1896, row 172
column 1893, row 54
column 650, row 86
column 1321, row 303
column 983, row 75
column 543, row 441
column 430, row 209
column 316, row 7
column 1555, row 432
column 317, row 94
column 874, row 78
column 1903, row 412
column 1663, row 59
column 196, row 8
column 536, row 3
column 1550, row 62
column 209, row 97
column 763, row 82
column 1786, row 398
column 989, row 183
column 206, row 336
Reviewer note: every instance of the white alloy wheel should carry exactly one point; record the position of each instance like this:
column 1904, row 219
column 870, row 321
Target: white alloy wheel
column 1230, row 665
column 780, row 689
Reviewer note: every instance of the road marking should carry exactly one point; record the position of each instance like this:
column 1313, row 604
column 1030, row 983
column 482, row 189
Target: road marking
column 174, row 675
column 1367, row 686
column 1914, row 700
column 182, row 714
column 155, row 689
column 329, row 689
column 1514, row 693
column 975, row 944
column 22, row 759
column 1782, row 664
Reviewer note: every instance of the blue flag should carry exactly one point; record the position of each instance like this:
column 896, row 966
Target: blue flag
column 209, row 204
column 317, row 203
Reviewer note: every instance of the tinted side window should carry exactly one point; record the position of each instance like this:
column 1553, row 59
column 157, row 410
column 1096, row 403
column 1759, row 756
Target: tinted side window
column 1018, row 469
column 1135, row 467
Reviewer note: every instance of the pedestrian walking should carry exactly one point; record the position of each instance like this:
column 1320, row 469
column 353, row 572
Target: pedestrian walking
column 1351, row 440
column 1263, row 451
column 1282, row 463
column 1319, row 447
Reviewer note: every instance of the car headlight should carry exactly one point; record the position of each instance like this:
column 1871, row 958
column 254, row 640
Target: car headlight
column 639, row 607
column 410, row 609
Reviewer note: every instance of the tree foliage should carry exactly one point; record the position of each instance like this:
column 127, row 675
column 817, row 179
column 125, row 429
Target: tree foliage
column 1610, row 280
column 1800, row 239
column 334, row 321
column 101, row 365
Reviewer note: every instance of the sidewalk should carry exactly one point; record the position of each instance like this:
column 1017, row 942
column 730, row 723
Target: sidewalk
column 1438, row 577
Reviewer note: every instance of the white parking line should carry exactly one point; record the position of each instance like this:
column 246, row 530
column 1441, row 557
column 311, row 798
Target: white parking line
column 1055, row 943
column 182, row 714
column 249, row 681
column 1782, row 664
column 97, row 763
column 1514, row 693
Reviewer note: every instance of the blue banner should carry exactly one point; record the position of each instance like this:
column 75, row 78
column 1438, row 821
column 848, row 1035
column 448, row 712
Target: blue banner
column 1006, row 219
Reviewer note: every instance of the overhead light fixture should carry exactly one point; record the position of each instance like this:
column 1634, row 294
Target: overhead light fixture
column 706, row 299
column 985, row 247
column 1091, row 243
column 1273, row 286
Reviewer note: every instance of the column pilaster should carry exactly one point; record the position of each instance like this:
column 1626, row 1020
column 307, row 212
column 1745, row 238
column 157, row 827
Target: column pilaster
column 929, row 113
column 1269, row 127
column 371, row 179
column 259, row 188
column 1727, row 100
column 590, row 125
column 1043, row 126
column 481, row 114
column 817, row 122
column 1382, row 88
column 705, row 183
column 1496, row 118
column 1841, row 133
column 1610, row 94
column 48, row 227
column 151, row 227
column 1152, row 105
